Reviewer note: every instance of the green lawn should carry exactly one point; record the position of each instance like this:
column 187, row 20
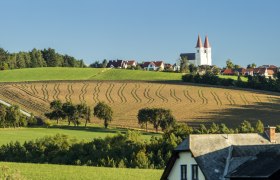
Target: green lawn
column 81, row 133
column 51, row 172
column 245, row 79
column 59, row 73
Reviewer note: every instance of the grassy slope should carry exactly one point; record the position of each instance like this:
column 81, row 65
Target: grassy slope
column 245, row 79
column 51, row 172
column 58, row 73
column 23, row 134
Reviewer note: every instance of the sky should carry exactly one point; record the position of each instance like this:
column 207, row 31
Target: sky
column 245, row 31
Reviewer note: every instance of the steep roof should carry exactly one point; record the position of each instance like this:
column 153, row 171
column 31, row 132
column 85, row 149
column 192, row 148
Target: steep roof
column 199, row 42
column 206, row 43
column 263, row 164
column 212, row 151
column 131, row 62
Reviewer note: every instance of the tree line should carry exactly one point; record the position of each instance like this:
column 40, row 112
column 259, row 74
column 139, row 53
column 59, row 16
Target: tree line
column 254, row 82
column 12, row 117
column 37, row 58
column 122, row 150
column 76, row 112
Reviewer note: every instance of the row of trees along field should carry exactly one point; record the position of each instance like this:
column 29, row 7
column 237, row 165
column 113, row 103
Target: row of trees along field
column 254, row 82
column 158, row 117
column 37, row 58
column 75, row 112
column 121, row 150
column 12, row 117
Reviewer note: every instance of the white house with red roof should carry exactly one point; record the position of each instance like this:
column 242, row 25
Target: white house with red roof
column 203, row 55
column 153, row 65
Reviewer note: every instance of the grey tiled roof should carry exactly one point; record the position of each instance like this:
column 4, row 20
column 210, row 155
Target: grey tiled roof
column 219, row 154
column 190, row 56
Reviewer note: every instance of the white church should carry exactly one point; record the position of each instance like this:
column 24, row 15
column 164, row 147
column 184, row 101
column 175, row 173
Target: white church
column 203, row 53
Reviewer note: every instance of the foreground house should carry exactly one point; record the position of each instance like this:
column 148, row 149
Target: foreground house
column 226, row 157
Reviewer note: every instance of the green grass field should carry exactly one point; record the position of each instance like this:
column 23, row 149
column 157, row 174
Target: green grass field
column 245, row 79
column 81, row 133
column 52, row 172
column 59, row 73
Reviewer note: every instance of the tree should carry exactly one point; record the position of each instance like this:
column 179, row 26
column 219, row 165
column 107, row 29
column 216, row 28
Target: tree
column 88, row 115
column 246, row 127
column 57, row 112
column 144, row 116
column 13, row 115
column 84, row 112
column 259, row 128
column 214, row 129
column 3, row 113
column 184, row 65
column 103, row 111
column 68, row 109
column 193, row 69
column 159, row 117
column 50, row 57
column 229, row 64
column 104, row 63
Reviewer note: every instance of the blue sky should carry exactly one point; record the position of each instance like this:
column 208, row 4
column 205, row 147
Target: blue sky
column 245, row 31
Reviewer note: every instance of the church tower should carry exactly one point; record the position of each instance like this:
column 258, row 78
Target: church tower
column 207, row 50
column 199, row 55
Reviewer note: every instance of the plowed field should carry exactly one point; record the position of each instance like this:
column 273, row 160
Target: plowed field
column 189, row 103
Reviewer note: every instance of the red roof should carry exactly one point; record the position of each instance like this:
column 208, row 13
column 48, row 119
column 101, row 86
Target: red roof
column 206, row 43
column 199, row 42
column 130, row 63
column 158, row 63
column 228, row 71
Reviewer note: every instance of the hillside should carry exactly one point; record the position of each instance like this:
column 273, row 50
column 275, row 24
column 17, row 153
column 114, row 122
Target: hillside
column 58, row 73
column 51, row 172
column 189, row 103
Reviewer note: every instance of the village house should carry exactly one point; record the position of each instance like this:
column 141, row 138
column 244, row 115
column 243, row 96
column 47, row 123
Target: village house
column 153, row 66
column 117, row 64
column 168, row 67
column 131, row 63
column 226, row 157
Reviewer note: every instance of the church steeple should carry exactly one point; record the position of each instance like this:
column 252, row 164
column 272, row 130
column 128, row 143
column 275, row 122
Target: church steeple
column 199, row 42
column 206, row 43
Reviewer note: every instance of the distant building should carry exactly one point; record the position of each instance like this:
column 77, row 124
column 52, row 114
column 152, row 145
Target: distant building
column 117, row 64
column 153, row 66
column 226, row 157
column 131, row 63
column 203, row 55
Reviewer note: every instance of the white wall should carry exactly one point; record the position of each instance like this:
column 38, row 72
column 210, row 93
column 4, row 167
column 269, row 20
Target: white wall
column 184, row 158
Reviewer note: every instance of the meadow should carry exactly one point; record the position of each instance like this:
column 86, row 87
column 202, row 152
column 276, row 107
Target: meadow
column 80, row 133
column 62, row 73
column 245, row 79
column 194, row 104
column 52, row 172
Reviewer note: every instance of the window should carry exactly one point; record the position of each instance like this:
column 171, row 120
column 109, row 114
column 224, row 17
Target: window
column 197, row 51
column 194, row 172
column 184, row 172
column 205, row 51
